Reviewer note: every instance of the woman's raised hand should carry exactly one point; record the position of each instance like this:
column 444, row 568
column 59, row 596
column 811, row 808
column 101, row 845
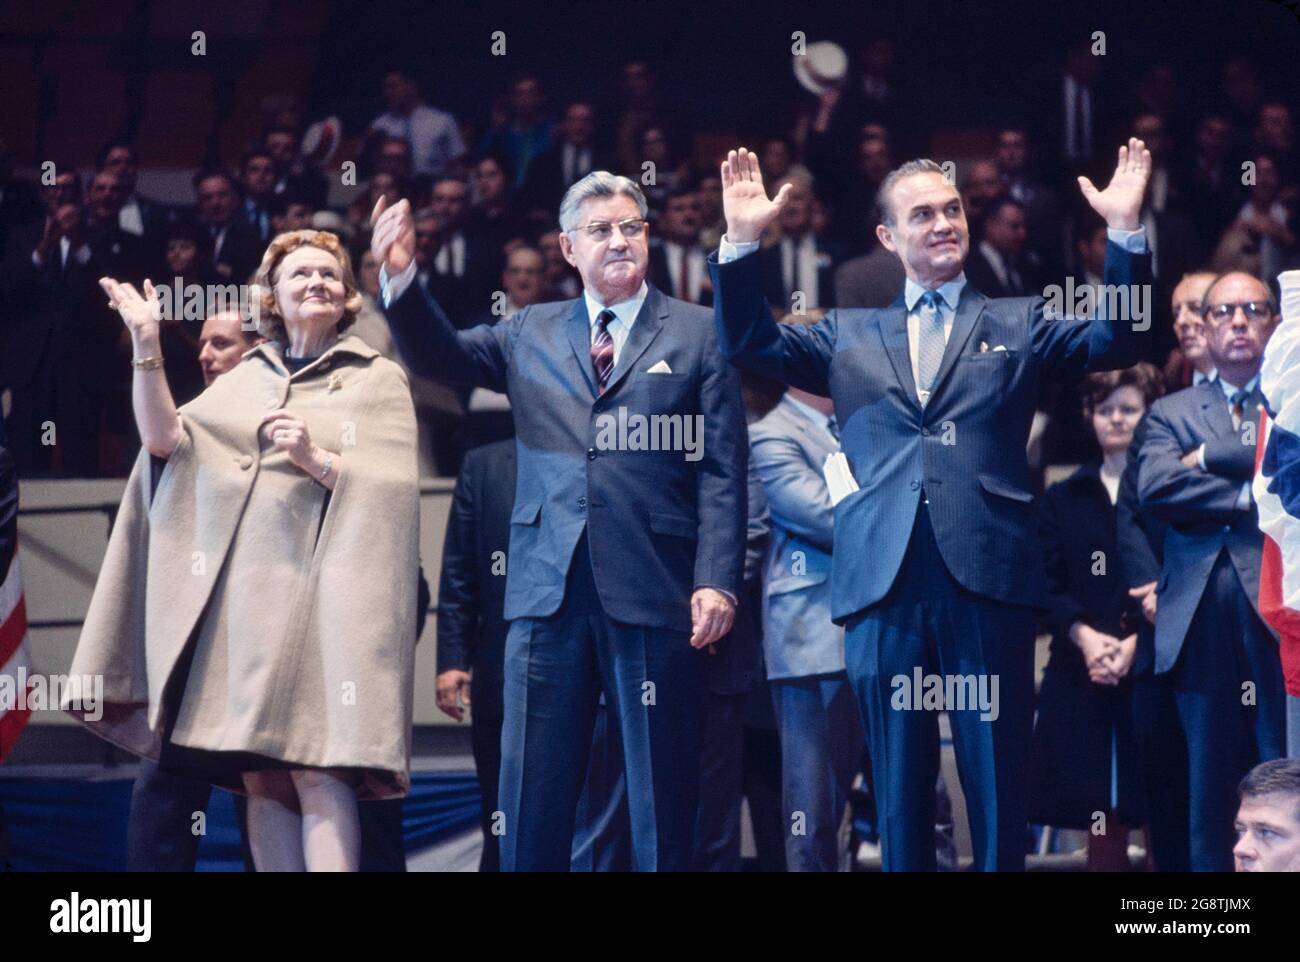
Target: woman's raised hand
column 139, row 313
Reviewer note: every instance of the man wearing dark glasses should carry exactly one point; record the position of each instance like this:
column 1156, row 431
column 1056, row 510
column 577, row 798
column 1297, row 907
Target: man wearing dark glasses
column 1220, row 657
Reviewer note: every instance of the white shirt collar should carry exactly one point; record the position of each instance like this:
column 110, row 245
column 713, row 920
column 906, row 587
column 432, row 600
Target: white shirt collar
column 625, row 311
column 950, row 291
column 1230, row 389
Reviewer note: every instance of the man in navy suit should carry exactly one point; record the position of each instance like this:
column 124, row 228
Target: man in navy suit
column 1218, row 654
column 936, row 574
column 628, row 531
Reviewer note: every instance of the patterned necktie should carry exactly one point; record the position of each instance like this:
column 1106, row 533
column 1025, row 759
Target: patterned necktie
column 602, row 350
column 930, row 344
column 1238, row 404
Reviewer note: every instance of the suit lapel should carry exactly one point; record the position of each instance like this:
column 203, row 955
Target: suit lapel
column 891, row 322
column 1214, row 410
column 578, row 327
column 645, row 328
column 969, row 309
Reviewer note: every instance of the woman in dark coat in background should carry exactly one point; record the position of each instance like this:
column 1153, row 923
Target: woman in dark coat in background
column 1084, row 769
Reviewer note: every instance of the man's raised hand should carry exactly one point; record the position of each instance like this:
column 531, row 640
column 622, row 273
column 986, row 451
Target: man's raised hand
column 392, row 236
column 1120, row 204
column 744, row 200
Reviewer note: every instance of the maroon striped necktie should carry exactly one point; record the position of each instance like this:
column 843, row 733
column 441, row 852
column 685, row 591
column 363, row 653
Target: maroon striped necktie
column 602, row 350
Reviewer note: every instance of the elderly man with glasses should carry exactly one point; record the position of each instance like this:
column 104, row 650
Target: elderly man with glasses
column 1218, row 655
column 627, row 536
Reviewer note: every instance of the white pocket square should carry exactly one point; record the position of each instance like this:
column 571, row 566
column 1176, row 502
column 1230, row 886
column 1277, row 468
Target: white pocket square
column 660, row 368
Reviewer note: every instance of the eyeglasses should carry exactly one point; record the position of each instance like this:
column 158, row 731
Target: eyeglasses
column 1254, row 311
column 602, row 231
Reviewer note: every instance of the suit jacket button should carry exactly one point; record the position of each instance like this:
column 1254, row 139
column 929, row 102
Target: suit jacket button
column 925, row 432
column 591, row 454
column 582, row 504
column 246, row 462
column 916, row 485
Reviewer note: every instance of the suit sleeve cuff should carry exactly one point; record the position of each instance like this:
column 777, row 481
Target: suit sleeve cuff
column 734, row 600
column 394, row 287
column 728, row 252
column 1133, row 241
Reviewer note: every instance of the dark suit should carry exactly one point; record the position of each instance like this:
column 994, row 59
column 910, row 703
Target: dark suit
column 54, row 357
column 240, row 251
column 1139, row 539
column 659, row 274
column 1221, row 657
column 951, row 579
column 471, row 601
column 1023, row 276
column 606, row 548
column 545, row 183
column 780, row 294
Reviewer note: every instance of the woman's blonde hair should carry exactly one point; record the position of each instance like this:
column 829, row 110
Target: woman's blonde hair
column 271, row 323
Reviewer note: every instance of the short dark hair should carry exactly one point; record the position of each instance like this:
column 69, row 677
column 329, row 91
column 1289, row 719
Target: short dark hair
column 278, row 204
column 501, row 160
column 207, row 173
column 1280, row 776
column 251, row 152
column 923, row 165
column 1102, row 384
column 995, row 206
column 101, row 158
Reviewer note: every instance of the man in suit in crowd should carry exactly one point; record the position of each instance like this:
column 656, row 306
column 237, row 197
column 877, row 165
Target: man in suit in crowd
column 1001, row 265
column 677, row 261
column 58, row 336
column 1042, row 219
column 237, row 248
column 138, row 215
column 625, row 558
column 800, row 261
column 572, row 157
column 471, row 623
column 459, row 269
column 821, row 731
column 1194, row 472
column 950, row 582
column 870, row 280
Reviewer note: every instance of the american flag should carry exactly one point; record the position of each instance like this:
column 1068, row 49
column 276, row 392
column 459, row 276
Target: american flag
column 1277, row 481
column 15, row 661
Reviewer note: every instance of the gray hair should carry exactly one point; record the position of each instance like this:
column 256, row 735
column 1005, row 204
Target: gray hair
column 885, row 213
column 599, row 183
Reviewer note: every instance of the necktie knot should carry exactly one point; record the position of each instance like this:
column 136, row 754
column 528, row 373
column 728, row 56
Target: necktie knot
column 930, row 300
column 603, row 319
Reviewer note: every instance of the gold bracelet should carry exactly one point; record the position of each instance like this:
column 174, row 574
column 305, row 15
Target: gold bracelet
column 147, row 363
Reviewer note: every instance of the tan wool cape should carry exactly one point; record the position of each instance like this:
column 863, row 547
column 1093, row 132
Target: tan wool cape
column 304, row 644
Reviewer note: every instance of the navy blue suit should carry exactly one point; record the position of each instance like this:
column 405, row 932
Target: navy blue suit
column 606, row 548
column 1220, row 656
column 936, row 562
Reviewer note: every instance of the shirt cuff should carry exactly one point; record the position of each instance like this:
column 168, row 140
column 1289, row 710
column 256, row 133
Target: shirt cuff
column 1200, row 457
column 1133, row 241
column 728, row 252
column 733, row 598
column 395, row 287
column 1243, row 497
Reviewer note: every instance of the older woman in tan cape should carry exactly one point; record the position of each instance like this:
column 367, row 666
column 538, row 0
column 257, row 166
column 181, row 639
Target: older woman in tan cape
column 254, row 616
